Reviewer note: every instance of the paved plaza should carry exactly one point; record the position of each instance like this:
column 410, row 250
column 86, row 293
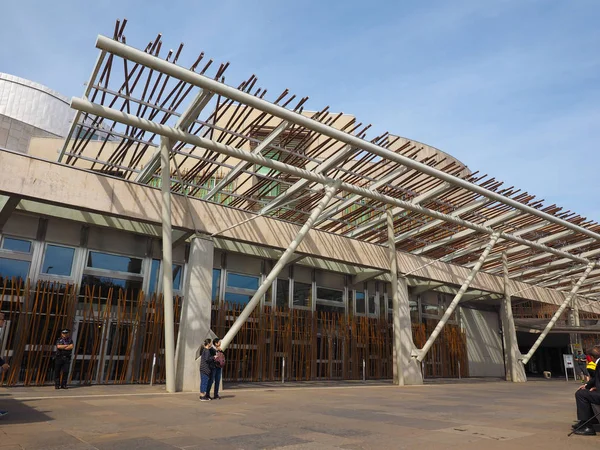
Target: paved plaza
column 439, row 415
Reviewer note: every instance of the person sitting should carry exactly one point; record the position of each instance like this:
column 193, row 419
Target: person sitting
column 587, row 395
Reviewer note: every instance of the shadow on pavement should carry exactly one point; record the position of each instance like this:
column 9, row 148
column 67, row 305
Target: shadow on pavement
column 19, row 412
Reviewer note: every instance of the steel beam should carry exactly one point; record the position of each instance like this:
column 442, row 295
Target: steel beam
column 167, row 263
column 178, row 135
column 330, row 190
column 166, row 67
column 456, row 300
column 462, row 234
column 428, row 226
column 560, row 262
column 558, row 313
column 322, row 168
column 395, row 211
column 86, row 93
column 7, row 207
column 183, row 123
column 243, row 165
column 339, row 208
column 473, row 249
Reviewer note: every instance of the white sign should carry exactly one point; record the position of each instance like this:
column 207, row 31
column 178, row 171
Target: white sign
column 569, row 362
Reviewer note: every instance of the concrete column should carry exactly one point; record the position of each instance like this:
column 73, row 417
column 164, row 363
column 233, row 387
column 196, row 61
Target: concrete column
column 195, row 314
column 407, row 368
column 515, row 370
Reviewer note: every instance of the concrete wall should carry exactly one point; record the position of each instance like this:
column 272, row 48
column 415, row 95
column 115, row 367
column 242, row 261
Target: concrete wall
column 17, row 135
column 484, row 345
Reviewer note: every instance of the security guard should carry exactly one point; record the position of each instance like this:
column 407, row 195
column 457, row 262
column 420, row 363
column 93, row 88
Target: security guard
column 64, row 348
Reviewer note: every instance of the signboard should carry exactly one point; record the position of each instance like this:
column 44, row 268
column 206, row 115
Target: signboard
column 569, row 364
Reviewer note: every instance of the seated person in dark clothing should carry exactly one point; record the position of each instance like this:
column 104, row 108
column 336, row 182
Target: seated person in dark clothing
column 587, row 395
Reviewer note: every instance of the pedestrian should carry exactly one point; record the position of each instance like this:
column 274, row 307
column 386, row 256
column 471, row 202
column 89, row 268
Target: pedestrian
column 206, row 366
column 580, row 363
column 3, row 365
column 62, row 361
column 586, row 396
column 219, row 359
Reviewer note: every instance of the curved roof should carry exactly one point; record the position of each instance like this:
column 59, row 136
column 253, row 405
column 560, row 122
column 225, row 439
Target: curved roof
column 34, row 104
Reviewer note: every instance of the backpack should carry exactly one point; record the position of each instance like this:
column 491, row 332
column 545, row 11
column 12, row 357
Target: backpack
column 220, row 360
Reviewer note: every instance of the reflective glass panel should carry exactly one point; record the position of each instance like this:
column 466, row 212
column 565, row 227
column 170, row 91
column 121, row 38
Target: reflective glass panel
column 58, row 260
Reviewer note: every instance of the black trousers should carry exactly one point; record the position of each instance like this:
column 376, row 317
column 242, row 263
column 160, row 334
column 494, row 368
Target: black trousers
column 61, row 366
column 584, row 400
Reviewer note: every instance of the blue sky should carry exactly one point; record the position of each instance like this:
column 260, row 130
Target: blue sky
column 509, row 87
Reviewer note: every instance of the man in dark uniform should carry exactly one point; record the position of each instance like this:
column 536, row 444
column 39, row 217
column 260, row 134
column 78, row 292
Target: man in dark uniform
column 64, row 348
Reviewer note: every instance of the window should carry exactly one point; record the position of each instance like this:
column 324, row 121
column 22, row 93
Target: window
column 330, row 308
column 155, row 274
column 106, row 261
column 240, row 288
column 372, row 304
column 359, row 300
column 216, row 285
column 16, row 245
column 105, row 271
column 302, row 295
column 331, row 295
column 102, row 286
column 430, row 310
column 13, row 268
column 58, row 260
column 239, row 281
column 282, row 299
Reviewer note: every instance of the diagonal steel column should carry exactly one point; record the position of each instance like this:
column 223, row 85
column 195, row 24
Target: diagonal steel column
column 255, row 300
column 558, row 313
column 438, row 329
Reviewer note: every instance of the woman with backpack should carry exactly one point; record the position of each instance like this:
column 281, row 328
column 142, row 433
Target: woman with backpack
column 207, row 364
column 219, row 359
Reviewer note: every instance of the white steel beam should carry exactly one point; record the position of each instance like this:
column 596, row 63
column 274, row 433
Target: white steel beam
column 336, row 209
column 395, row 211
column 558, row 262
column 558, row 313
column 462, row 234
column 330, row 190
column 469, row 250
column 178, row 135
column 183, row 123
column 86, row 93
column 166, row 67
column 243, row 165
column 428, row 226
column 456, row 300
column 322, row 168
column 167, row 263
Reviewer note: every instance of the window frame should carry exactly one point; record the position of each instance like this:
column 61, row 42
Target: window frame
column 49, row 276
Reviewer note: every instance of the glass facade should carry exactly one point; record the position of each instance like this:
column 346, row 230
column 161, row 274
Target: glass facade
column 13, row 268
column 16, row 245
column 107, row 261
column 216, row 285
column 282, row 299
column 58, row 260
column 302, row 295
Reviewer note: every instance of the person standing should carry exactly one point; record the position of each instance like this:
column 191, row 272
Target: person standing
column 206, row 368
column 64, row 348
column 219, row 358
column 3, row 365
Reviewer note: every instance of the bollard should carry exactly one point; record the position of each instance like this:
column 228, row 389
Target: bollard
column 152, row 372
column 459, row 370
column 283, row 371
column 423, row 369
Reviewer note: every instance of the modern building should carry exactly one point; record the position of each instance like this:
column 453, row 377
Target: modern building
column 80, row 239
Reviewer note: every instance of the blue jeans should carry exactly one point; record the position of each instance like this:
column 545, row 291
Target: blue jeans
column 205, row 382
column 216, row 378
